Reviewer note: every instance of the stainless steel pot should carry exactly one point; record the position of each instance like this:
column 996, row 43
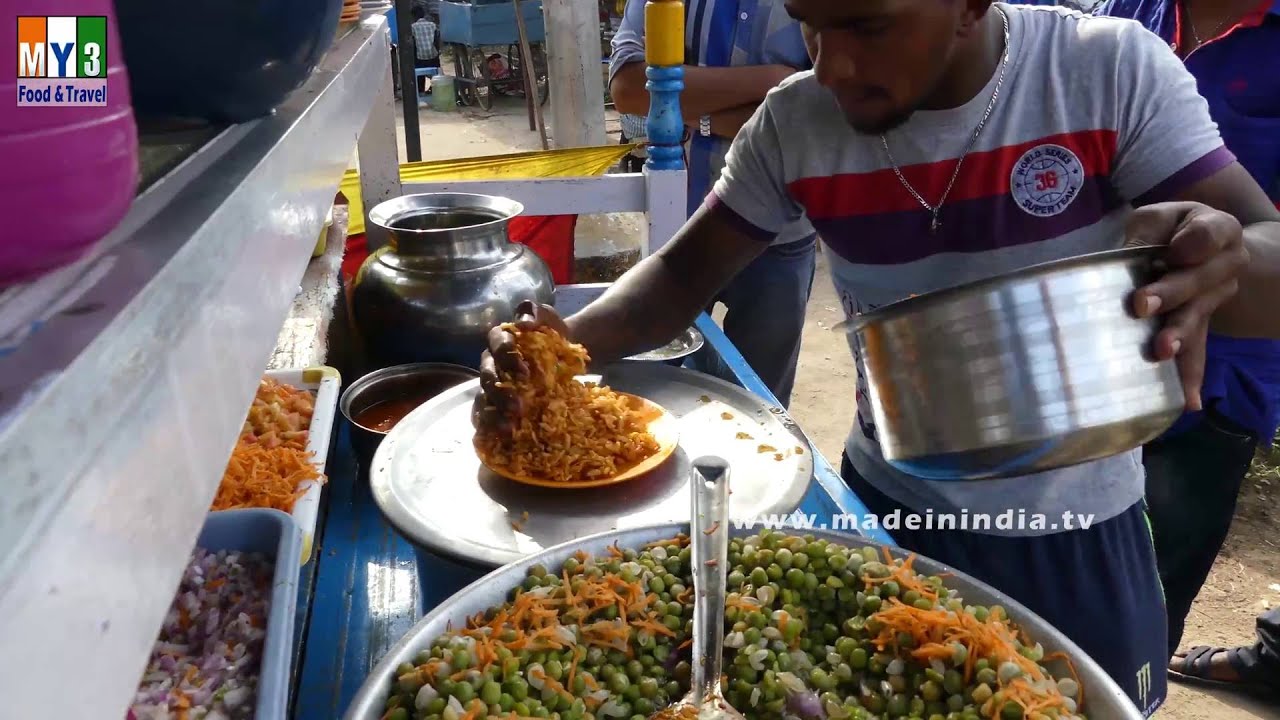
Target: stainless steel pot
column 1103, row 698
column 416, row 380
column 1039, row 369
column 448, row 274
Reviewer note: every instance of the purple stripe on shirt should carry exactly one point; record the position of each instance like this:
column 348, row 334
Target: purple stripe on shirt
column 970, row 226
column 1170, row 187
column 722, row 210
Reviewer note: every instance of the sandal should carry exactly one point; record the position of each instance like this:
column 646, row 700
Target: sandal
column 1194, row 669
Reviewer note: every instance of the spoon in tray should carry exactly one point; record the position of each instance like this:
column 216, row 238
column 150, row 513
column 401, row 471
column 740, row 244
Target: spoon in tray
column 710, row 539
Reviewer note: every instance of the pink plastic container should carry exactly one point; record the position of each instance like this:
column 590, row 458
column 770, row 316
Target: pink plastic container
column 67, row 174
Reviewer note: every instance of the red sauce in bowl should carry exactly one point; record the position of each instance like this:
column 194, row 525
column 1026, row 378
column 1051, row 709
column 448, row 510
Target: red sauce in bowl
column 384, row 415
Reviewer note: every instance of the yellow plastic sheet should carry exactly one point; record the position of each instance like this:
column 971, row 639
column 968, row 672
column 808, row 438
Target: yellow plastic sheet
column 571, row 162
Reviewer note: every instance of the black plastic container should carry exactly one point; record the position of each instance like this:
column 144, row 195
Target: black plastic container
column 223, row 61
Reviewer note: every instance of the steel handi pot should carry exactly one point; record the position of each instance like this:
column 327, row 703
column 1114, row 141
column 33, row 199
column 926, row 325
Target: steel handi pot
column 1034, row 370
column 448, row 274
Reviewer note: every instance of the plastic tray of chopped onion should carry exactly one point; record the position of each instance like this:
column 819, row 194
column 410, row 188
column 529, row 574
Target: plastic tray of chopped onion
column 223, row 650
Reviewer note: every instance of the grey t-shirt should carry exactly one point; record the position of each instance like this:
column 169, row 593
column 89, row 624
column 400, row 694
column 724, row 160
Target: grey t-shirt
column 1101, row 104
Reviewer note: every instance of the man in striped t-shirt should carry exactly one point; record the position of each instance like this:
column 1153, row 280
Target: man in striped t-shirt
column 938, row 142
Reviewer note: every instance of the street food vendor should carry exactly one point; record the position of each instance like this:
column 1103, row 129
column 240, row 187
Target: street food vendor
column 930, row 146
column 739, row 50
column 1195, row 471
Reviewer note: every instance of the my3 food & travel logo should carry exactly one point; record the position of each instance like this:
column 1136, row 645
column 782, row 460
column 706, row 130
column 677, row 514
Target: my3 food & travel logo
column 62, row 61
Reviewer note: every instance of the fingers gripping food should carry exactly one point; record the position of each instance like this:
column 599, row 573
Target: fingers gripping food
column 562, row 429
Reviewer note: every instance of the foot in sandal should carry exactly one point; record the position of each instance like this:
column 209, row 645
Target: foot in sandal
column 1235, row 668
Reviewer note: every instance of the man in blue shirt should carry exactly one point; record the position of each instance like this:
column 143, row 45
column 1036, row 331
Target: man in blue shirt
column 736, row 51
column 1194, row 472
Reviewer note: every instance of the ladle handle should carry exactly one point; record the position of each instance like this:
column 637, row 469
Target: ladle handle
column 710, row 481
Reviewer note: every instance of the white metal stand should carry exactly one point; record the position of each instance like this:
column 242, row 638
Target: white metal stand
column 659, row 194
column 116, row 421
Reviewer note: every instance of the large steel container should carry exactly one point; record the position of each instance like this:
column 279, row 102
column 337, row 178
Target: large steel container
column 1025, row 372
column 449, row 274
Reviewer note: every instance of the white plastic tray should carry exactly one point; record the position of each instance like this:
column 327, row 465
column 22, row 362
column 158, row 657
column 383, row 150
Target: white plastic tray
column 325, row 382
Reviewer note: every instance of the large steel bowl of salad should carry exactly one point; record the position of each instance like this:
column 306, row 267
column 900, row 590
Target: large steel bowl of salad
column 823, row 626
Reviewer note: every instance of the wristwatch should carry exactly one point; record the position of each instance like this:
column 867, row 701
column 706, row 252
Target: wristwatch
column 704, row 126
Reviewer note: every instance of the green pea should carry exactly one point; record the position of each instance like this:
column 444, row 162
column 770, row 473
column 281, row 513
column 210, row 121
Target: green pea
column 398, row 714
column 657, row 585
column 775, row 572
column 759, row 577
column 889, row 589
column 858, row 659
column 464, row 692
column 981, row 694
column 735, row 579
column 619, row 682
column 491, row 693
column 898, row 705
column 800, row 561
column 930, row 691
column 519, row 689
column 521, row 709
column 1011, row 711
column 795, row 578
column 871, row 605
column 952, row 682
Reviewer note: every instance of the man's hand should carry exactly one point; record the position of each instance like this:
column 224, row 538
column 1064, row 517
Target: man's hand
column 1205, row 258
column 496, row 403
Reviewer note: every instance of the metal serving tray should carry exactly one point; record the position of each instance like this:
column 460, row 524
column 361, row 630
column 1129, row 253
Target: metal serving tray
column 428, row 482
column 1103, row 699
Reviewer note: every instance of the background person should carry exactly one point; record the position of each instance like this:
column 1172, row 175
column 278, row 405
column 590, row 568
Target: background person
column 737, row 51
column 1195, row 471
column 426, row 45
column 909, row 101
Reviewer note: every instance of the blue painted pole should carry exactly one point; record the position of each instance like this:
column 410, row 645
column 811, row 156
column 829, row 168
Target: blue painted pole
column 664, row 53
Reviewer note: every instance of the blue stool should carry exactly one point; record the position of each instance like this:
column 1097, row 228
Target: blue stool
column 419, row 73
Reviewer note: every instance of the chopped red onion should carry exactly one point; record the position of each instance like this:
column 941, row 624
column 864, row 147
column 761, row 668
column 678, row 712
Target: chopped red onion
column 207, row 658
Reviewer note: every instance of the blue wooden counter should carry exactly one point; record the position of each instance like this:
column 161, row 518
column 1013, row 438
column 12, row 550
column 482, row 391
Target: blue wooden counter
column 365, row 587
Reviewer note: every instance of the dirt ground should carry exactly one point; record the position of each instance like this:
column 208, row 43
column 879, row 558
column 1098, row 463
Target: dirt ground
column 1246, row 578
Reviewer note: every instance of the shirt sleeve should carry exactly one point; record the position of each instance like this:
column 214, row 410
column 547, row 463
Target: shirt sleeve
column 628, row 43
column 1167, row 141
column 752, row 190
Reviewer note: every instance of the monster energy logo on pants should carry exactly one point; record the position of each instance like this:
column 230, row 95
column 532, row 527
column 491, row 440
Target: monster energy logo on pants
column 1144, row 684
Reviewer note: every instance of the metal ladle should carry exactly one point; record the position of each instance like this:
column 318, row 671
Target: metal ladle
column 710, row 539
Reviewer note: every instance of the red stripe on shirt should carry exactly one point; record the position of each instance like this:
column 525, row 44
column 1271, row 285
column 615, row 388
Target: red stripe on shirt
column 983, row 174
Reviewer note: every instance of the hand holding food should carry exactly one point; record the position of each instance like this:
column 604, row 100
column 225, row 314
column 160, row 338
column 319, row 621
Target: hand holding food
column 496, row 401
column 1205, row 258
column 554, row 427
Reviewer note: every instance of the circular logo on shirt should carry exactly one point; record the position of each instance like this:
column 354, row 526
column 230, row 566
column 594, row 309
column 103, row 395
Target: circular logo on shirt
column 1046, row 179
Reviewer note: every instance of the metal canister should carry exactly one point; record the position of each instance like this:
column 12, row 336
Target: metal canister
column 1025, row 372
column 447, row 275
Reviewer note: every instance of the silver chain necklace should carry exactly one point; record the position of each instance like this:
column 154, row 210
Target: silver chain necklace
column 1004, row 62
column 1191, row 23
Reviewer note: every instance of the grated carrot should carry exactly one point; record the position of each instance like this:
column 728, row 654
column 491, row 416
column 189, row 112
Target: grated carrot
column 934, row 632
column 257, row 476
